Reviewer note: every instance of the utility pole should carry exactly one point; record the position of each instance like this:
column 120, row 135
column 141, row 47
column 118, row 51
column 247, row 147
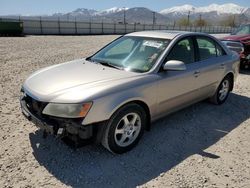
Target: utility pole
column 233, row 21
column 124, row 15
column 188, row 17
column 154, row 19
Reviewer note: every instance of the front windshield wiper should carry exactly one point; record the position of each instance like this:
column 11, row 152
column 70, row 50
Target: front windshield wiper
column 104, row 63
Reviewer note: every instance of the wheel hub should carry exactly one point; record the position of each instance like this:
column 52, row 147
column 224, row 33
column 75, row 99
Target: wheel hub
column 127, row 129
column 224, row 90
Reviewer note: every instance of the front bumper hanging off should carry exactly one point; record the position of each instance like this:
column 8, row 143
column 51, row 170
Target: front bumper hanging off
column 32, row 110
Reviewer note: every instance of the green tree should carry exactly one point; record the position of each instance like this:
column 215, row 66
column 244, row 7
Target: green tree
column 229, row 21
column 200, row 23
column 184, row 22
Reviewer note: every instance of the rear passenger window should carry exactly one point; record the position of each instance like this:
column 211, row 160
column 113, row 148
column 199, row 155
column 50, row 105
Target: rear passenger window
column 209, row 48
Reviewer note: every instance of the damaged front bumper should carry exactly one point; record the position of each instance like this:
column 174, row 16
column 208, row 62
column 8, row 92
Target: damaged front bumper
column 32, row 110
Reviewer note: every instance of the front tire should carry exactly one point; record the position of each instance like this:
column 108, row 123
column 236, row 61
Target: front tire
column 124, row 129
column 222, row 91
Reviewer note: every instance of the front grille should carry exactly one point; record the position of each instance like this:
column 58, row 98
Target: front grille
column 34, row 106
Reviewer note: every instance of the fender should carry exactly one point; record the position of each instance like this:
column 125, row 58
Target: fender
column 101, row 111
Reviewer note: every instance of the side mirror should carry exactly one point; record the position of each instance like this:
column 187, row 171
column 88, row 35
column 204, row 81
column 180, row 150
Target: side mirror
column 174, row 65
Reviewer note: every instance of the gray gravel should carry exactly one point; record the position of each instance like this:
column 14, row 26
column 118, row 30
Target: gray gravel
column 201, row 146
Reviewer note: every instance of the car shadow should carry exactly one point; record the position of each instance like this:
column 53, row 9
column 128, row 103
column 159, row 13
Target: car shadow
column 245, row 71
column 170, row 141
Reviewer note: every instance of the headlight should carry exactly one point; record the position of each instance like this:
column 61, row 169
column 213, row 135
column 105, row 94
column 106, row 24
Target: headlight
column 67, row 110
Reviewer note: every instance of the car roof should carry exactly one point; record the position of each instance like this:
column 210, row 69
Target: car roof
column 166, row 34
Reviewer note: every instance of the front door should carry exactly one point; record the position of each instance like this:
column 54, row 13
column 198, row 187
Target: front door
column 177, row 89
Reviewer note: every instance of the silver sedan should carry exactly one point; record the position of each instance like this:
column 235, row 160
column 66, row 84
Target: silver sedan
column 114, row 95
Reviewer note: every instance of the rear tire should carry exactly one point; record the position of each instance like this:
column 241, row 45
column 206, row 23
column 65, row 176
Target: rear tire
column 222, row 91
column 124, row 129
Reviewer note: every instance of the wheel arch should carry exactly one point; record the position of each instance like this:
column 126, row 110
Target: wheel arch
column 141, row 103
column 231, row 76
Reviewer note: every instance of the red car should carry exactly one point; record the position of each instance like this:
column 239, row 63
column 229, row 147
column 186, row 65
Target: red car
column 239, row 41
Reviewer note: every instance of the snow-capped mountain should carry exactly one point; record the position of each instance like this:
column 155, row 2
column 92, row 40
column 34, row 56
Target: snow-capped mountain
column 228, row 8
column 144, row 15
column 178, row 9
column 138, row 15
column 82, row 11
column 115, row 14
column 110, row 11
column 91, row 12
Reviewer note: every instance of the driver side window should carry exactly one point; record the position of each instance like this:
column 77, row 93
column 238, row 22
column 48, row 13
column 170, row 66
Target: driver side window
column 183, row 51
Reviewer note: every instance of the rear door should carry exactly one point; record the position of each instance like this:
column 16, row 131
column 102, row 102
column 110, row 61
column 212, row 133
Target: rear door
column 211, row 58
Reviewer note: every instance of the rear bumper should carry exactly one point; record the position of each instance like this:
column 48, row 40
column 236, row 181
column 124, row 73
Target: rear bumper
column 57, row 126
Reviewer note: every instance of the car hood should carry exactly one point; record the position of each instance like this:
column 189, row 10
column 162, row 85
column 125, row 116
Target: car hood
column 73, row 81
column 236, row 37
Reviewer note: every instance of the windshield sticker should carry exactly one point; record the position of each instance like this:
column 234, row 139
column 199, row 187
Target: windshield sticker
column 154, row 44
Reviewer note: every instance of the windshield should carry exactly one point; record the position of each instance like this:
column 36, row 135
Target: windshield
column 242, row 30
column 137, row 54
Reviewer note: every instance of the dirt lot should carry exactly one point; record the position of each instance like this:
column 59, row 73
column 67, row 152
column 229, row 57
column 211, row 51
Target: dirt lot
column 201, row 146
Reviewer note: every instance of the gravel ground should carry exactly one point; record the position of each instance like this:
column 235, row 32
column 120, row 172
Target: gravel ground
column 201, row 146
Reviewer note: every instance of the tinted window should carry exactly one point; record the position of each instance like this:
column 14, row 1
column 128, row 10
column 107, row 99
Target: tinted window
column 183, row 51
column 206, row 48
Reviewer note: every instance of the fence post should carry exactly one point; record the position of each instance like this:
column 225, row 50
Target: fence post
column 102, row 27
column 135, row 27
column 114, row 28
column 59, row 26
column 90, row 29
column 41, row 25
column 174, row 25
column 75, row 26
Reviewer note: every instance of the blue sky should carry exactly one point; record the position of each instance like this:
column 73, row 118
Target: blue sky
column 36, row 7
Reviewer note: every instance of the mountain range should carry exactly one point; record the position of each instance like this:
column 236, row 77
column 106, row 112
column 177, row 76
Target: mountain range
column 145, row 15
column 212, row 13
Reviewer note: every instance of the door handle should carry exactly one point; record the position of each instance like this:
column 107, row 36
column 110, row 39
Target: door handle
column 222, row 65
column 196, row 73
